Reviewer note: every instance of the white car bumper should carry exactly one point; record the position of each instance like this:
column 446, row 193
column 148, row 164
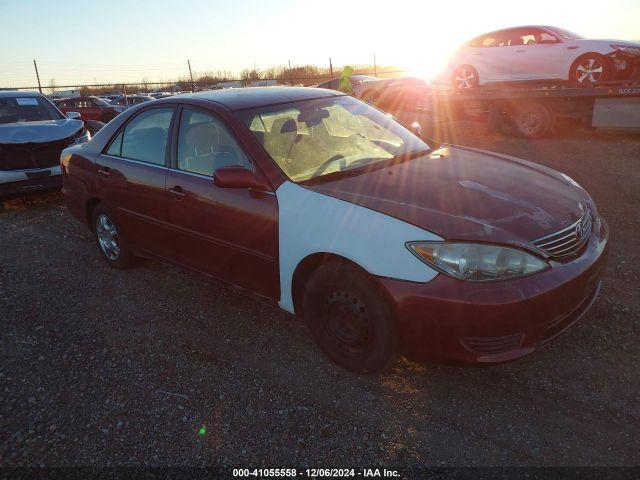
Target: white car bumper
column 22, row 181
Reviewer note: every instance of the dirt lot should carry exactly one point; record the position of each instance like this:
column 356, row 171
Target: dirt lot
column 103, row 367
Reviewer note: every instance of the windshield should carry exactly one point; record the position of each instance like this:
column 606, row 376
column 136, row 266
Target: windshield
column 313, row 138
column 566, row 34
column 27, row 109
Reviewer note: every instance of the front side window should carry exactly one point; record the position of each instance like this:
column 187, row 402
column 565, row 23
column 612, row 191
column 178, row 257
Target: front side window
column 566, row 34
column 145, row 137
column 27, row 109
column 313, row 138
column 205, row 144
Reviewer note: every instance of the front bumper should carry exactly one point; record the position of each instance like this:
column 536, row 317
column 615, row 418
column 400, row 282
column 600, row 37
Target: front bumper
column 19, row 182
column 449, row 319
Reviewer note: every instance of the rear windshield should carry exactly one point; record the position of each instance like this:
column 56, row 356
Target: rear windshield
column 27, row 109
column 100, row 102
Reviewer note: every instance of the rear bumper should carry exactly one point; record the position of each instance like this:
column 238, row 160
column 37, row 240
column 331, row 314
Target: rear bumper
column 453, row 320
column 18, row 182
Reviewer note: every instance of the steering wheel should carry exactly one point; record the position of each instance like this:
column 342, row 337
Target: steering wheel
column 327, row 163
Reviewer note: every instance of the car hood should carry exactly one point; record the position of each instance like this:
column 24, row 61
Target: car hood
column 38, row 132
column 466, row 194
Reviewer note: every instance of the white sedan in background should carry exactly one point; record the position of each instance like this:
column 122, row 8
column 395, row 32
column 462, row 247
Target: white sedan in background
column 540, row 53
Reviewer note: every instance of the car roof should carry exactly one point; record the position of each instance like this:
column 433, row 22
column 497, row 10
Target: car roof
column 16, row 93
column 517, row 27
column 253, row 97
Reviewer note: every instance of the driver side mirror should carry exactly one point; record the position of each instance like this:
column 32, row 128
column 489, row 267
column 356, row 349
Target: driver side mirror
column 238, row 177
column 74, row 115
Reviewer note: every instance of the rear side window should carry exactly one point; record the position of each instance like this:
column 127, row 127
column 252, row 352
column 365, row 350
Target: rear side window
column 145, row 137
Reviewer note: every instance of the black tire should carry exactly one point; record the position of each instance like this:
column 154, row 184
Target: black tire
column 532, row 120
column 350, row 319
column 122, row 258
column 589, row 69
column 465, row 77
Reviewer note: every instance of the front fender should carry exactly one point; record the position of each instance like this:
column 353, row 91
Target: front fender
column 311, row 222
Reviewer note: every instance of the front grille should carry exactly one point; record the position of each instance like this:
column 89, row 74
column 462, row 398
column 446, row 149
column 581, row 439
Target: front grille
column 492, row 345
column 31, row 155
column 569, row 240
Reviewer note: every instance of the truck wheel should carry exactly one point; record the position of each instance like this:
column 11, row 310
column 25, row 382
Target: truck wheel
column 350, row 319
column 532, row 120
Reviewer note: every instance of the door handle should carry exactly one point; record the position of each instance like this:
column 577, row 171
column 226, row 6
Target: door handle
column 573, row 47
column 104, row 172
column 177, row 191
column 520, row 51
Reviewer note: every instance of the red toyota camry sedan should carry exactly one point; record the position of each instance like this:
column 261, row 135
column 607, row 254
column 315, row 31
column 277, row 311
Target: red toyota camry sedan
column 333, row 210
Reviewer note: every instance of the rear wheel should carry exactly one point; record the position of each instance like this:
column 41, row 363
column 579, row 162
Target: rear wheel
column 465, row 77
column 589, row 69
column 349, row 318
column 112, row 244
column 532, row 119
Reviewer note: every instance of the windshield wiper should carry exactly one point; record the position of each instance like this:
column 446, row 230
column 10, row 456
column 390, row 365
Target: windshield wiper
column 374, row 164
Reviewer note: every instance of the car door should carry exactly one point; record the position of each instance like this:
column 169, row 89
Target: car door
column 228, row 233
column 131, row 175
column 490, row 56
column 536, row 55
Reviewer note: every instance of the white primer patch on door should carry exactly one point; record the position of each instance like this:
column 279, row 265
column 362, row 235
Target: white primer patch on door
column 311, row 222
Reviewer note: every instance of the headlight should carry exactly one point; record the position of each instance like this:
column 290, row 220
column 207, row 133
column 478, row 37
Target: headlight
column 477, row 262
column 627, row 49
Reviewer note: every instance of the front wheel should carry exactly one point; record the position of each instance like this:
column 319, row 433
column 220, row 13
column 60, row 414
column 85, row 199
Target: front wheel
column 589, row 69
column 349, row 318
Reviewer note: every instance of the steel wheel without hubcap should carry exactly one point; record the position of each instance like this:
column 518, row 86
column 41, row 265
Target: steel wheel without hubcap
column 107, row 237
column 350, row 319
column 589, row 71
column 345, row 323
column 465, row 78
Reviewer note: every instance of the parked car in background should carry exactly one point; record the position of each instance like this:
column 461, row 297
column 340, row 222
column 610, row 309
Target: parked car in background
column 358, row 83
column 333, row 210
column 131, row 100
column 540, row 53
column 386, row 93
column 33, row 133
column 90, row 108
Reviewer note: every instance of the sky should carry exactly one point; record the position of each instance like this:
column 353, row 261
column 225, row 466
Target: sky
column 76, row 42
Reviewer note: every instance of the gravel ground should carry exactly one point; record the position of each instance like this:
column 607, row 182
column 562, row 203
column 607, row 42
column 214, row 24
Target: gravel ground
column 104, row 367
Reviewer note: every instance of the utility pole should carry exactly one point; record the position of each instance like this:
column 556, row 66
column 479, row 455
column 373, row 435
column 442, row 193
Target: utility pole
column 375, row 67
column 290, row 73
column 35, row 65
column 193, row 85
column 330, row 68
